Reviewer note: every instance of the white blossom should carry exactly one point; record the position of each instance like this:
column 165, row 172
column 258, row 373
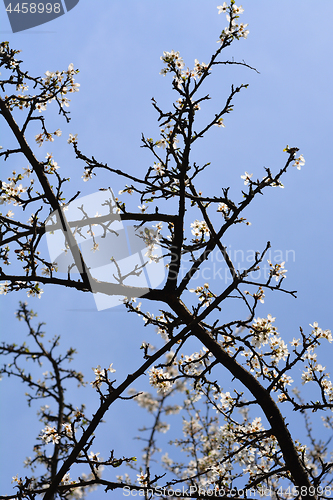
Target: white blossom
column 299, row 162
column 222, row 8
column 87, row 175
column 277, row 270
column 159, row 379
column 246, row 177
column 50, row 434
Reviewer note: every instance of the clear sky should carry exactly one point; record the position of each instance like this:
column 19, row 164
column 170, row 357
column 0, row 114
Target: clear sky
column 117, row 47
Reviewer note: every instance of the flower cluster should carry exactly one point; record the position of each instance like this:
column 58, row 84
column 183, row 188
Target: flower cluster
column 50, row 435
column 11, row 192
column 223, row 208
column 55, row 85
column 199, row 69
column 199, row 230
column 226, row 401
column 321, row 334
column 233, row 30
column 101, row 375
column 279, row 350
column 35, row 291
column 259, row 295
column 276, row 183
column 204, row 294
column 193, row 364
column 4, row 288
column 266, row 333
column 172, row 60
column 174, row 63
column 313, row 367
column 68, row 430
column 277, row 270
column 62, row 81
column 46, row 136
column 261, row 330
column 51, row 164
column 145, row 400
column 159, row 379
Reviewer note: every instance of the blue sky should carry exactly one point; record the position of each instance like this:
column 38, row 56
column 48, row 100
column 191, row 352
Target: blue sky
column 117, row 47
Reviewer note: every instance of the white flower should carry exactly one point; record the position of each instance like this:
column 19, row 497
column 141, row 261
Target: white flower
column 242, row 31
column 162, row 143
column 220, row 123
column 4, row 288
column 54, row 166
column 142, row 479
column 15, row 479
column 66, row 478
column 27, row 171
column 222, row 207
column 159, row 169
column 307, row 376
column 318, row 332
column 50, row 434
column 299, row 162
column 222, row 8
column 39, row 139
column 246, row 178
column 279, row 349
column 237, row 10
column 68, row 429
column 41, row 106
column 277, row 270
column 86, row 176
column 162, row 427
column 199, row 228
column 35, row 292
column 110, row 369
column 205, row 295
column 93, row 456
column 226, row 400
column 159, row 379
column 101, row 375
column 198, row 71
column 158, row 226
column 72, row 138
column 262, row 329
column 286, row 380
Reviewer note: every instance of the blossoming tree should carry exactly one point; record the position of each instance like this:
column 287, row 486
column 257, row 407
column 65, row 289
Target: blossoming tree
column 232, row 444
